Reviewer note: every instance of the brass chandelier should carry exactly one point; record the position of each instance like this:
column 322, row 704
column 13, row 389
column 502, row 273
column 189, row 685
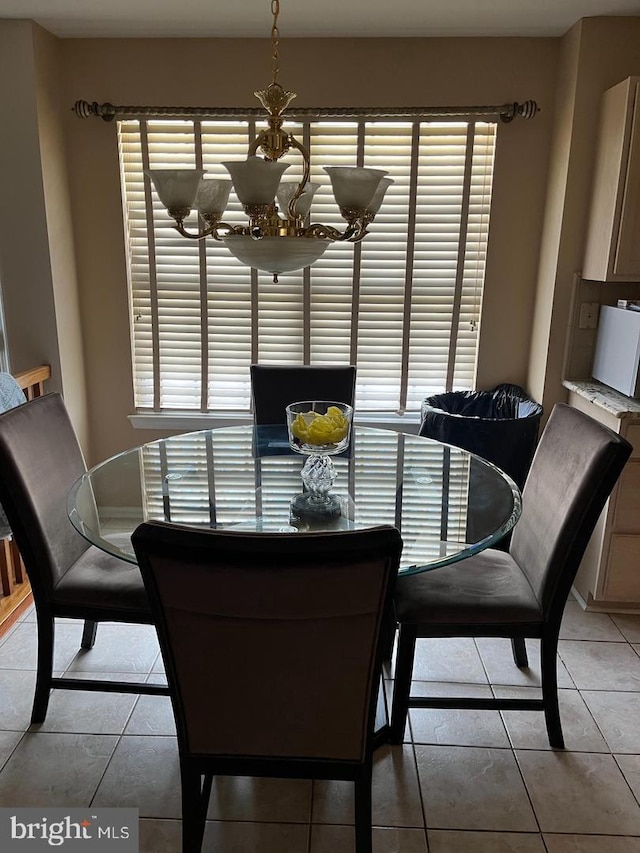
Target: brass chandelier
column 278, row 238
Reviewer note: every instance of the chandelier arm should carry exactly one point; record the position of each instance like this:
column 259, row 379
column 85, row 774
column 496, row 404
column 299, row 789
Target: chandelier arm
column 351, row 234
column 200, row 235
column 361, row 224
column 323, row 232
column 224, row 229
column 306, row 172
column 328, row 232
column 257, row 142
column 361, row 233
column 215, row 229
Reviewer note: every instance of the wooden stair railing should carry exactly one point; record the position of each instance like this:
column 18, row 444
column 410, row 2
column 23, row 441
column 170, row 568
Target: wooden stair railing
column 15, row 592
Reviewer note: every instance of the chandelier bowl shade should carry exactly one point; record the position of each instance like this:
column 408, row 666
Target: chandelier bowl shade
column 213, row 196
column 354, row 186
column 176, row 188
column 255, row 180
column 276, row 254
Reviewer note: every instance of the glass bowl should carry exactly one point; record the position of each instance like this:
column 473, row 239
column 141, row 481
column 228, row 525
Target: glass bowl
column 319, row 427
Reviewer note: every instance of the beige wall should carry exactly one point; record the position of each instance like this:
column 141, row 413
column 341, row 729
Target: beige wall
column 37, row 273
column 52, row 106
column 596, row 54
column 25, row 268
column 72, row 265
column 408, row 72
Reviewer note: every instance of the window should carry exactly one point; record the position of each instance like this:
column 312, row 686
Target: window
column 403, row 305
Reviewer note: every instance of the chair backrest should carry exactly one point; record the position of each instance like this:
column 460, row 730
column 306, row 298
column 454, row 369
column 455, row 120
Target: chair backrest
column 271, row 642
column 11, row 395
column 274, row 386
column 40, row 459
column 575, row 467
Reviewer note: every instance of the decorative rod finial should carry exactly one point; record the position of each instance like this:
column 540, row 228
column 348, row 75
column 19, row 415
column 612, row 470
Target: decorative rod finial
column 527, row 109
column 84, row 109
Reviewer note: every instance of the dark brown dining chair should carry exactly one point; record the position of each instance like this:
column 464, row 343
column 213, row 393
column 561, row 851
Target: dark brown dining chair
column 274, row 386
column 40, row 459
column 291, row 689
column 520, row 594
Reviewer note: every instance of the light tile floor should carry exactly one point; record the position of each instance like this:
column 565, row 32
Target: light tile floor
column 463, row 781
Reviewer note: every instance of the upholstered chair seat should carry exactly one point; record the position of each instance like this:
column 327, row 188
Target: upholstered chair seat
column 104, row 584
column 486, row 589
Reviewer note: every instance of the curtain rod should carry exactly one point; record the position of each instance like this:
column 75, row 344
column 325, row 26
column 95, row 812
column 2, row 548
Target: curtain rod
column 504, row 112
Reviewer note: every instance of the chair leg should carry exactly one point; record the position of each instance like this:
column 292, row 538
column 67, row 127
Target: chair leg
column 46, row 632
column 548, row 662
column 388, row 637
column 194, row 807
column 206, row 793
column 363, row 812
column 519, row 649
column 88, row 634
column 402, row 682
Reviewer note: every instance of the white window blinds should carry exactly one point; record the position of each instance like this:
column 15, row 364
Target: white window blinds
column 403, row 305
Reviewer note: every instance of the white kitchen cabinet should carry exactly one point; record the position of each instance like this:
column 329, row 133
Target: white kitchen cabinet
column 613, row 238
column 609, row 576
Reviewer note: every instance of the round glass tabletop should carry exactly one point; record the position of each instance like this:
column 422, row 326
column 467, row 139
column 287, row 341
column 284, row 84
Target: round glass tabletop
column 446, row 503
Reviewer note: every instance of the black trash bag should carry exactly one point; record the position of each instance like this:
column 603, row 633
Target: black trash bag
column 500, row 425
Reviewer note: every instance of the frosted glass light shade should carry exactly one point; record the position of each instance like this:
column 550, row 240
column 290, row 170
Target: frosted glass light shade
column 276, row 254
column 354, row 186
column 255, row 180
column 213, row 196
column 285, row 193
column 374, row 205
column 176, row 188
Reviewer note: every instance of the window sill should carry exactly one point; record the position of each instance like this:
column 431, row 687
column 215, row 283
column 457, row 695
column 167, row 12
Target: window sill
column 188, row 421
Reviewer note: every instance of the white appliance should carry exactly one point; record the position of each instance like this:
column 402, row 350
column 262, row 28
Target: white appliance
column 618, row 350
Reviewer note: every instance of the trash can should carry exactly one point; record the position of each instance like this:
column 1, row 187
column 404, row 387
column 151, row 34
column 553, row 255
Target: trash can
column 500, row 425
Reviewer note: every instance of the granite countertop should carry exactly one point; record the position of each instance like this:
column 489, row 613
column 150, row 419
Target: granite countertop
column 611, row 401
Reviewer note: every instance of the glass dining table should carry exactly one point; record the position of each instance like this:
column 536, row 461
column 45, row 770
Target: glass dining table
column 447, row 503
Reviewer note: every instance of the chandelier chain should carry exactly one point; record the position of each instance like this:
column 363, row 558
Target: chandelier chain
column 275, row 34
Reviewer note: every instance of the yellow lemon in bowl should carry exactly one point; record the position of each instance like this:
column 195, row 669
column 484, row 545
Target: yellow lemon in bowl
column 320, row 430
